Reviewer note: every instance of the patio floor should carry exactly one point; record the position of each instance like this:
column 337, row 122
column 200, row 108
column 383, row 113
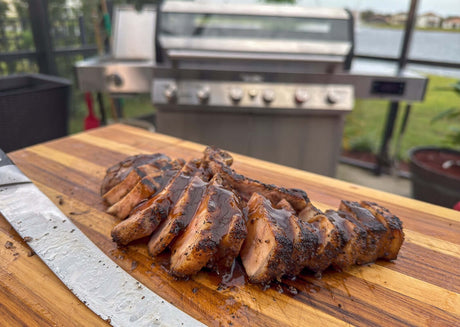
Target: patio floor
column 392, row 184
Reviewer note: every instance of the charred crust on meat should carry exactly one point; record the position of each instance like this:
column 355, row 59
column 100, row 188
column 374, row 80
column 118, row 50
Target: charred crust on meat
column 205, row 245
column 119, row 171
column 149, row 183
column 202, row 211
column 364, row 216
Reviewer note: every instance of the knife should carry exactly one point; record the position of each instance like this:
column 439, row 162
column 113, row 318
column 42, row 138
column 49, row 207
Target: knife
column 94, row 278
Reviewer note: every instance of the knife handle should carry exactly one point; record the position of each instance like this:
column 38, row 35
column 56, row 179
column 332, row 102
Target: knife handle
column 4, row 160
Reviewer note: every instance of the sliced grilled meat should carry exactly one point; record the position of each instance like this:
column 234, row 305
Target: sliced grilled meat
column 143, row 190
column 234, row 233
column 392, row 241
column 329, row 243
column 360, row 251
column 218, row 222
column 147, row 217
column 276, row 231
column 304, row 241
column 117, row 192
column 309, row 212
column 118, row 172
column 216, row 163
column 376, row 231
column 353, row 237
column 212, row 153
column 284, row 204
column 267, row 251
column 179, row 217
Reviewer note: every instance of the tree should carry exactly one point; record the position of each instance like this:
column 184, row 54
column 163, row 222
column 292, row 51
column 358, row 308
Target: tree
column 3, row 26
column 26, row 41
column 367, row 15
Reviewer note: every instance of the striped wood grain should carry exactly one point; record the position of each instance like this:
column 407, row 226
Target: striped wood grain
column 421, row 288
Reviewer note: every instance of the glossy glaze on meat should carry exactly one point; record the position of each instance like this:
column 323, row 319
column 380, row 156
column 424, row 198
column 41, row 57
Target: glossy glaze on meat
column 267, row 250
column 145, row 219
column 118, row 172
column 214, row 236
column 207, row 215
column 179, row 217
column 154, row 170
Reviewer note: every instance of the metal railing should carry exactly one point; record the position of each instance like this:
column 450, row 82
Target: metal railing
column 423, row 62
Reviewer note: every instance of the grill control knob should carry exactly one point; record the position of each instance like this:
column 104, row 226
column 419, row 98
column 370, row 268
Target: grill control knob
column 236, row 94
column 301, row 96
column 268, row 95
column 171, row 92
column 332, row 97
column 115, row 79
column 252, row 93
column 203, row 94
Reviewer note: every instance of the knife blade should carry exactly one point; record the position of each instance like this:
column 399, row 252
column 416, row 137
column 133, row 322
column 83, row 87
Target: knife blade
column 94, row 278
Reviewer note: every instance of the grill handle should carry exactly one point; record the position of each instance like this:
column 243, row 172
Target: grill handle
column 214, row 55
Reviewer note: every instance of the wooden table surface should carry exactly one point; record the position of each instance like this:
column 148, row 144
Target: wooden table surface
column 420, row 288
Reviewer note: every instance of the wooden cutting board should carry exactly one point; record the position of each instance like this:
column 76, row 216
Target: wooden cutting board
column 420, row 288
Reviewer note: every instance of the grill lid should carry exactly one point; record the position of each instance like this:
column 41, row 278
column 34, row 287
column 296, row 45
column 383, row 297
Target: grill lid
column 197, row 31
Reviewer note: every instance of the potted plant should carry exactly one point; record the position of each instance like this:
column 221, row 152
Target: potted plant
column 435, row 171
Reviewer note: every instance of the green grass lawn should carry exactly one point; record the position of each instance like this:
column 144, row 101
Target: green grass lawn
column 364, row 126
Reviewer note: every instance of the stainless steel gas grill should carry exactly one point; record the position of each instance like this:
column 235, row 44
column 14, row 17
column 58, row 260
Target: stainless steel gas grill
column 128, row 68
column 269, row 81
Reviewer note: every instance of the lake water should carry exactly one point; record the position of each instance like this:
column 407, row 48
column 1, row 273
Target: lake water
column 427, row 45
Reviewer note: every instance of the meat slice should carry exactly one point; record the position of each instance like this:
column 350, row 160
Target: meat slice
column 353, row 237
column 215, row 224
column 118, row 172
column 329, row 242
column 212, row 153
column 117, row 192
column 376, row 231
column 143, row 190
column 216, row 163
column 309, row 212
column 267, row 251
column 392, row 241
column 145, row 219
column 284, row 204
column 360, row 240
column 234, row 234
column 304, row 241
column 179, row 217
column 207, row 214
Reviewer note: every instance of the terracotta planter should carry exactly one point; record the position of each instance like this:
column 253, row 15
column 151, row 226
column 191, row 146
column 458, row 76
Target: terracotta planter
column 430, row 181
